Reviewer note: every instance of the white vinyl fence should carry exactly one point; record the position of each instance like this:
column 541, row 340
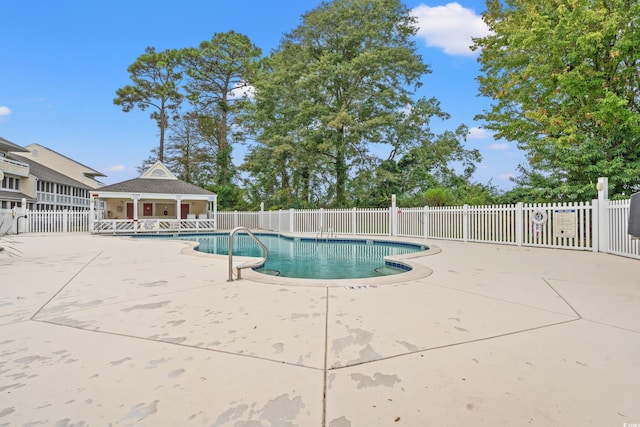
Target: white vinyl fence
column 566, row 225
column 599, row 226
column 17, row 221
column 57, row 221
column 592, row 226
column 7, row 222
column 619, row 242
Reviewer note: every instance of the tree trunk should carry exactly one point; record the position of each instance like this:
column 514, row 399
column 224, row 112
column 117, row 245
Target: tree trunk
column 223, row 158
column 163, row 124
column 340, row 168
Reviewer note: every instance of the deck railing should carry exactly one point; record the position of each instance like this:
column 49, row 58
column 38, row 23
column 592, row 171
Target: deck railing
column 129, row 226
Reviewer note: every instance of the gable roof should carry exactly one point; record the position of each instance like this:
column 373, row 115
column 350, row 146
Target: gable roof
column 154, row 186
column 89, row 172
column 158, row 171
column 6, row 145
column 158, row 179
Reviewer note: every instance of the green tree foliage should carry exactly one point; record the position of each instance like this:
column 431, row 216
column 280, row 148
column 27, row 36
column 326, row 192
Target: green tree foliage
column 189, row 155
column 285, row 166
column 156, row 78
column 343, row 81
column 564, row 77
column 220, row 72
column 426, row 160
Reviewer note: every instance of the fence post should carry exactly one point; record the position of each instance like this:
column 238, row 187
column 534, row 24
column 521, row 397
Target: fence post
column 603, row 214
column 27, row 221
column 235, row 219
column 23, row 208
column 261, row 219
column 65, row 221
column 91, row 213
column 291, row 220
column 321, row 213
column 394, row 216
column 519, row 223
column 595, row 225
column 465, row 223
column 354, row 224
column 425, row 222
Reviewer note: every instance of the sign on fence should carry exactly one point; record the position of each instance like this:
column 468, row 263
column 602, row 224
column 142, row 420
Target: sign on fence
column 565, row 223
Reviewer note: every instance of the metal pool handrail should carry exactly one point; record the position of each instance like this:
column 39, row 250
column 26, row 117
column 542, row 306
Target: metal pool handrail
column 249, row 265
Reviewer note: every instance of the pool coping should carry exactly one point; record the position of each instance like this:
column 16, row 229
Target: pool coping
column 418, row 271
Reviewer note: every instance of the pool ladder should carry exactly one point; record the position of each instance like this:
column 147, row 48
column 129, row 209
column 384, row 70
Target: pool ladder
column 330, row 234
column 256, row 264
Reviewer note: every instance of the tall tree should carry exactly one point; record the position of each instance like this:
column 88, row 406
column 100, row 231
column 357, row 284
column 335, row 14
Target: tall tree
column 352, row 65
column 156, row 79
column 188, row 153
column 565, row 78
column 220, row 72
column 419, row 159
column 286, row 159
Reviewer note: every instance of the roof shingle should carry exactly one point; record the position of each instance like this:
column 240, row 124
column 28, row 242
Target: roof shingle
column 155, row 186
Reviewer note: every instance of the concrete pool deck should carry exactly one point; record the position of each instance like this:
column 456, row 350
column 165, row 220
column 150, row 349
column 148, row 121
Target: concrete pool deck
column 98, row 331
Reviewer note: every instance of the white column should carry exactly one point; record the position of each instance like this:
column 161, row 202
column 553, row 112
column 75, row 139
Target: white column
column 178, row 207
column 136, row 199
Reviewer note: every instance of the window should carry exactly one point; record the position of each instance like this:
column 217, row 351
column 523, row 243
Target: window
column 10, row 183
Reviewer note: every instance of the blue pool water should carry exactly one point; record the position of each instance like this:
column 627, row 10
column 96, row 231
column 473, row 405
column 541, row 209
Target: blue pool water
column 312, row 258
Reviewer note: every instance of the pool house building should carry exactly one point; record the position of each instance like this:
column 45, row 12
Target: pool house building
column 156, row 201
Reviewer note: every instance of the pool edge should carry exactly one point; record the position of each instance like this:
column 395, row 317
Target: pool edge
column 418, row 271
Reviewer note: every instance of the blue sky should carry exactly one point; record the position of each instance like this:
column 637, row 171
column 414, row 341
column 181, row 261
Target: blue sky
column 62, row 62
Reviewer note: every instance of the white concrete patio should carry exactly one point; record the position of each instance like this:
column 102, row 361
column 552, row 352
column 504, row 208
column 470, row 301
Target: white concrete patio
column 98, row 331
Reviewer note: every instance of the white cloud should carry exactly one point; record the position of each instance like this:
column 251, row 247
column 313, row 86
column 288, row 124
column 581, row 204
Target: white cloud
column 243, row 91
column 498, row 146
column 406, row 110
column 449, row 27
column 116, row 168
column 4, row 111
column 478, row 133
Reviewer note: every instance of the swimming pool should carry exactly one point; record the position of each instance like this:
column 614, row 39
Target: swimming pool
column 309, row 258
